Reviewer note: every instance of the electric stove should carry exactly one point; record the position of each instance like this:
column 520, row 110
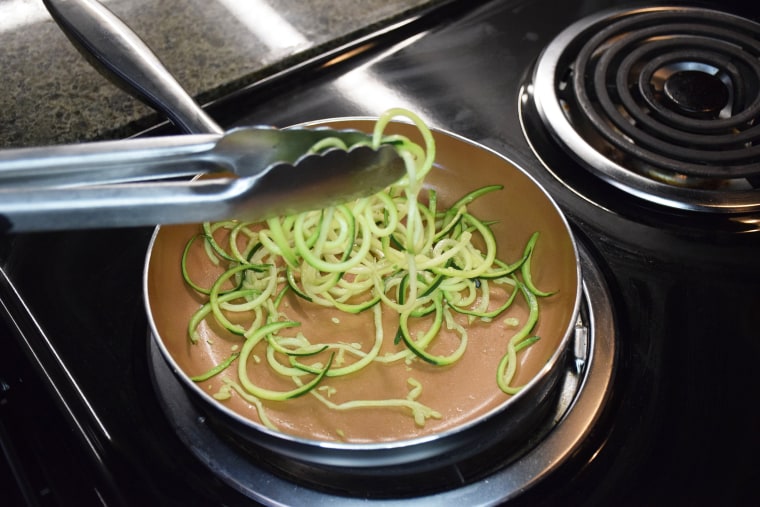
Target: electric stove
column 639, row 119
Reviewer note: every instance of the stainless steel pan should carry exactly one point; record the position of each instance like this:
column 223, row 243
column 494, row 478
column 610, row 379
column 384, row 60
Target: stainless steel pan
column 475, row 412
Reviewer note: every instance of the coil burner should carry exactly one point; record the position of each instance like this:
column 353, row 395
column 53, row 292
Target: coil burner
column 663, row 103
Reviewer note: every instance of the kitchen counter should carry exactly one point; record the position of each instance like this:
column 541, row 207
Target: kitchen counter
column 51, row 95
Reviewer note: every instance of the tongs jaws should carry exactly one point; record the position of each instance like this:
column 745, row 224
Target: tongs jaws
column 265, row 172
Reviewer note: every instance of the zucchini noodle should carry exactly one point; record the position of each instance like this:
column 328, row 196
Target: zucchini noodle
column 395, row 251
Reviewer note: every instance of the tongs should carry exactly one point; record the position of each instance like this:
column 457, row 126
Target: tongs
column 251, row 173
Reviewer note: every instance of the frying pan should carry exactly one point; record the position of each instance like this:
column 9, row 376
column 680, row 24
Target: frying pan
column 474, row 410
column 475, row 413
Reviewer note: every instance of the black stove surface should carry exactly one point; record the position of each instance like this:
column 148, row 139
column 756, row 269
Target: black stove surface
column 79, row 418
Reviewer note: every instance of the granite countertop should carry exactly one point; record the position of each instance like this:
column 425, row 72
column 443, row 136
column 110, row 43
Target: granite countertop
column 51, row 95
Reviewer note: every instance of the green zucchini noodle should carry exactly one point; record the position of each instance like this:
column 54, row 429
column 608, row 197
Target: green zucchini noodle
column 395, row 251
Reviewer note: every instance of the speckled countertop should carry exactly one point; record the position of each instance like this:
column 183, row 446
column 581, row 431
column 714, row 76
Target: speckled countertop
column 51, row 95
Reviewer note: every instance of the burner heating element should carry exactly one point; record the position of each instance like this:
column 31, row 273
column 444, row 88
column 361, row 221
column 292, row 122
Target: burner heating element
column 663, row 103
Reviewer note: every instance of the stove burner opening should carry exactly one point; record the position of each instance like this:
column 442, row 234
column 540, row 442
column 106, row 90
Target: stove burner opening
column 663, row 103
column 696, row 93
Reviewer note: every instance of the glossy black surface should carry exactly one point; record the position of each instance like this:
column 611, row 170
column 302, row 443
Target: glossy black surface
column 680, row 429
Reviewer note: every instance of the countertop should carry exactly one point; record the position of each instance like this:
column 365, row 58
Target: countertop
column 51, row 95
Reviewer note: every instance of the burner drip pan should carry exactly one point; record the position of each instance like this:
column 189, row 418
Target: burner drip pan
column 663, row 103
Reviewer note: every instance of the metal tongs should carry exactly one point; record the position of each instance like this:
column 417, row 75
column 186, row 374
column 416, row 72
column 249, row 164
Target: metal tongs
column 263, row 173
column 254, row 172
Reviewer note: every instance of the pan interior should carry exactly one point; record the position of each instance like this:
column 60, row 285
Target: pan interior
column 462, row 393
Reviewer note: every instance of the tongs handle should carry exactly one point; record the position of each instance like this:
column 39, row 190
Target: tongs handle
column 139, row 159
column 122, row 205
column 114, row 49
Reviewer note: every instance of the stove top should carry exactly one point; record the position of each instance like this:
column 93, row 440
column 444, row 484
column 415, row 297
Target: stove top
column 671, row 288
